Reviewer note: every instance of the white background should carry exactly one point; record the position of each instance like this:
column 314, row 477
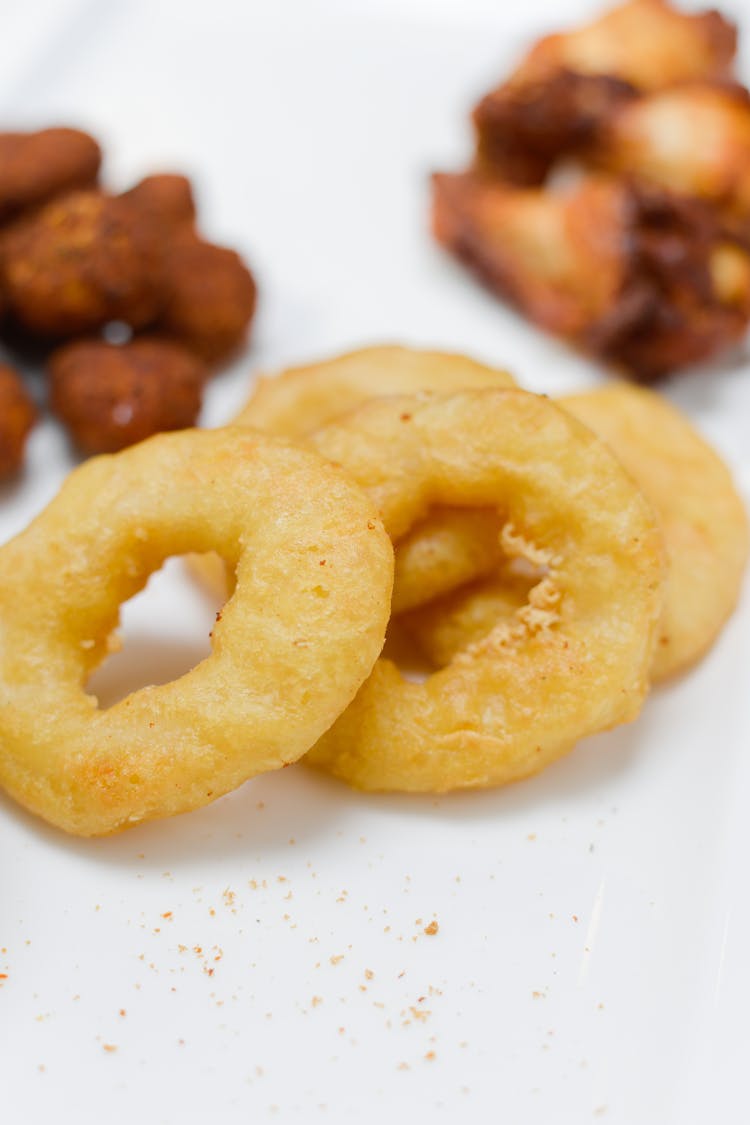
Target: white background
column 265, row 958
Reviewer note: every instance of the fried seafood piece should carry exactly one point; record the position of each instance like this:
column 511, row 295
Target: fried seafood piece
column 110, row 396
column 693, row 140
column 701, row 516
column 209, row 296
column 166, row 197
column 83, row 260
column 301, row 399
column 34, row 167
column 17, row 416
column 570, row 81
column 632, row 274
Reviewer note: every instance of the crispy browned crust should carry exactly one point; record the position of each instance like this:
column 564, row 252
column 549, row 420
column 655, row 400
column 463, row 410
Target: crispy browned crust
column 166, row 197
column 34, row 167
column 17, row 416
column 111, row 396
column 569, row 82
column 692, row 139
column 627, row 273
column 209, row 297
column 523, row 128
column 84, row 259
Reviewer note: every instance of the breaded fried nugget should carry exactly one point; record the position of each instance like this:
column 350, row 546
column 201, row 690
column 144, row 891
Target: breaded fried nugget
column 166, row 197
column 568, row 82
column 81, row 261
column 17, row 416
column 637, row 277
column 110, row 396
column 209, row 297
column 693, row 139
column 36, row 166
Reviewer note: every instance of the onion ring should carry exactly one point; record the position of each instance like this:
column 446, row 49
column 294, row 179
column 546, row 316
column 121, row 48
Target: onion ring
column 289, row 650
column 302, row 399
column 576, row 662
column 703, row 521
column 432, row 559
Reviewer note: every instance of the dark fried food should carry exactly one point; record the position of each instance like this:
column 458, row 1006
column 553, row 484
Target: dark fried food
column 635, row 275
column 110, row 396
column 522, row 128
column 83, row 260
column 209, row 297
column 17, row 416
column 693, row 140
column 36, row 166
column 167, row 197
column 568, row 82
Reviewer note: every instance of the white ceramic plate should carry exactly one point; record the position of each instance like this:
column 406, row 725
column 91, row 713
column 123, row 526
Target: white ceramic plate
column 266, row 957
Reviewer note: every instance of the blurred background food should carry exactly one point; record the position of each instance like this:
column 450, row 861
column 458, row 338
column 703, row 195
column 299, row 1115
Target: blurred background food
column 83, row 272
column 609, row 196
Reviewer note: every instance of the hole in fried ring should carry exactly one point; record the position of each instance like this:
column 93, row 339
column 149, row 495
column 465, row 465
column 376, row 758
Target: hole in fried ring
column 285, row 660
column 579, row 660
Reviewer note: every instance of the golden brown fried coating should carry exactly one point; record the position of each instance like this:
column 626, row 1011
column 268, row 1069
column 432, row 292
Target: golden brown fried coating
column 81, row 261
column 209, row 297
column 17, row 416
column 570, row 81
column 110, row 396
column 166, row 197
column 693, row 139
column 34, row 167
column 636, row 276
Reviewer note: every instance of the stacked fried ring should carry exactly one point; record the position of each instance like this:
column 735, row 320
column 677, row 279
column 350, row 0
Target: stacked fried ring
column 552, row 560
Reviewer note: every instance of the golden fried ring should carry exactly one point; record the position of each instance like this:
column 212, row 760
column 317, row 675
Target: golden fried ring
column 289, row 650
column 702, row 519
column 576, row 661
column 302, row 399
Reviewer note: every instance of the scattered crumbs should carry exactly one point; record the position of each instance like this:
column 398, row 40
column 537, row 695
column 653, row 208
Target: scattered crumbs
column 430, row 1056
column 109, row 1047
column 432, row 929
column 316, row 1001
column 123, row 1012
column 574, row 917
column 167, row 914
column 336, row 958
column 403, row 1066
column 539, row 995
column 531, row 836
column 369, row 974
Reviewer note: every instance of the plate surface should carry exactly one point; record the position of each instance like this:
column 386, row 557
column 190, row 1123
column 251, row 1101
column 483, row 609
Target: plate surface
column 266, row 957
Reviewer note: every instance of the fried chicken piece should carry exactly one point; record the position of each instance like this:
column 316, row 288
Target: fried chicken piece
column 209, row 297
column 84, row 259
column 636, row 276
column 110, row 396
column 34, row 167
column 17, row 416
column 166, row 197
column 693, row 139
column 569, row 82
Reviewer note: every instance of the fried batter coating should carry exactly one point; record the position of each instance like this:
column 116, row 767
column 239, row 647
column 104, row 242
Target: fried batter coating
column 209, row 297
column 17, row 416
column 81, row 261
column 569, row 81
column 634, row 275
column 166, row 196
column 110, row 396
column 36, row 166
column 694, row 139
